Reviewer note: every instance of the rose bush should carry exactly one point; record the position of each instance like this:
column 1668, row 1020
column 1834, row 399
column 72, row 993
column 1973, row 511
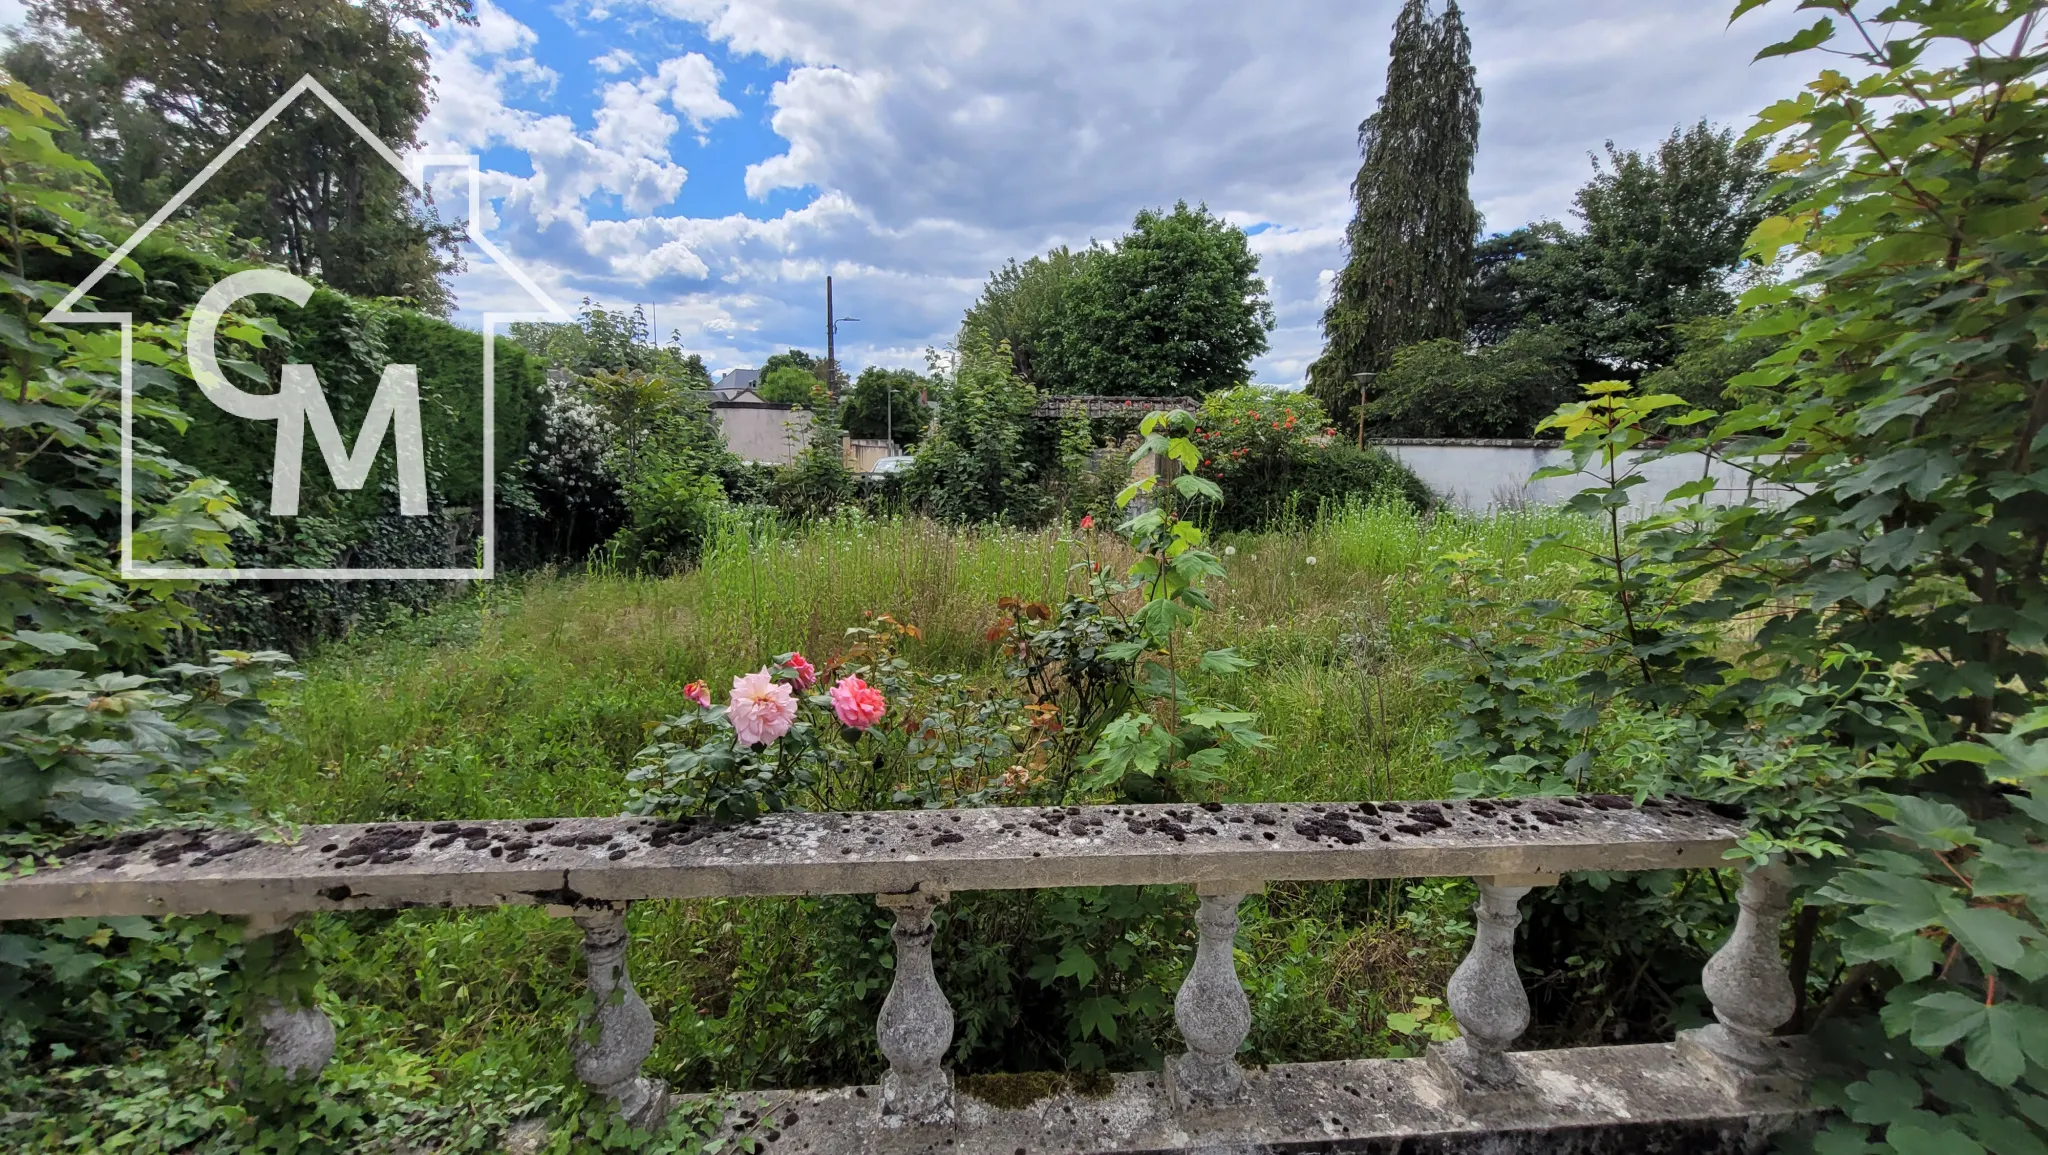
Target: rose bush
column 1273, row 456
column 763, row 750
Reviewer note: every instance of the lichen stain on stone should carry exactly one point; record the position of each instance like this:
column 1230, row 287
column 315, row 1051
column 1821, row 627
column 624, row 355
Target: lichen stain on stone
column 1016, row 1092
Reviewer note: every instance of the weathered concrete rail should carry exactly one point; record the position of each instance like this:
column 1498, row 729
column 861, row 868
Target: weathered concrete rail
column 586, row 861
column 1723, row 1088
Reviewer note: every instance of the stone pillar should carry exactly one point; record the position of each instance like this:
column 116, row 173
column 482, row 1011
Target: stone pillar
column 1485, row 993
column 298, row 1038
column 1211, row 1009
column 916, row 1025
column 1748, row 985
column 615, row 1037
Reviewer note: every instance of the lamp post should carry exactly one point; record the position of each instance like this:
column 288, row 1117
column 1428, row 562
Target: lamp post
column 1364, row 382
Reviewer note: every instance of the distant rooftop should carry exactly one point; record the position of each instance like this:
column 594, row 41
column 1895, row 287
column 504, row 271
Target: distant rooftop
column 735, row 382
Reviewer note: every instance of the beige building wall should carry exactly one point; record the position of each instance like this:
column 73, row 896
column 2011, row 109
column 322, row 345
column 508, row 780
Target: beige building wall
column 862, row 453
column 761, row 432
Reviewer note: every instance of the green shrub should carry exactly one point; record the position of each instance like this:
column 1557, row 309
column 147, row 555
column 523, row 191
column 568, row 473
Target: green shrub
column 1443, row 389
column 972, row 466
column 98, row 727
column 1275, row 459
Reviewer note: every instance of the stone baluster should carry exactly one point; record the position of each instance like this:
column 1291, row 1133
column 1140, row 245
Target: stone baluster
column 298, row 1038
column 1749, row 987
column 1211, row 1009
column 615, row 1038
column 916, row 1025
column 1485, row 993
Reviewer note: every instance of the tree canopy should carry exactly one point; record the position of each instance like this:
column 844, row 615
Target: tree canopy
column 884, row 403
column 609, row 339
column 1410, row 239
column 1025, row 305
column 1660, row 235
column 1174, row 307
column 157, row 90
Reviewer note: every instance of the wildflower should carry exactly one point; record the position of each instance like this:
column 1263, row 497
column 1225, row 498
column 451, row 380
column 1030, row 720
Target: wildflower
column 858, row 704
column 698, row 692
column 1229, row 551
column 800, row 668
column 1311, row 559
column 761, row 708
column 1087, row 521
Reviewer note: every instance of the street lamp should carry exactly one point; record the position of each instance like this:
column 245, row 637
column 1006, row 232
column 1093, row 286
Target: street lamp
column 1364, row 382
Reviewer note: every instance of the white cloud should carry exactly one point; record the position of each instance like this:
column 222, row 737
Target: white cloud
column 690, row 85
column 939, row 139
column 614, row 62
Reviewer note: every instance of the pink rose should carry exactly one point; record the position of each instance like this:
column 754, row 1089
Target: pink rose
column 858, row 704
column 761, row 708
column 698, row 692
column 800, row 667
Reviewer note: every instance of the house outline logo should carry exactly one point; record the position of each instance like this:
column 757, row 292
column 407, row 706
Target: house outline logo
column 310, row 410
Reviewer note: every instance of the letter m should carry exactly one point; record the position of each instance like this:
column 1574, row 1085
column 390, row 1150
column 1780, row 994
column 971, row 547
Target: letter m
column 397, row 401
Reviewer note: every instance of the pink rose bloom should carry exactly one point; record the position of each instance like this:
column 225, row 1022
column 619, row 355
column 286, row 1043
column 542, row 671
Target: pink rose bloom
column 858, row 704
column 761, row 708
column 699, row 693
column 800, row 667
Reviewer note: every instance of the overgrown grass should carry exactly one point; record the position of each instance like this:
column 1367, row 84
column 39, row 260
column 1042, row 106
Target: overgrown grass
column 530, row 698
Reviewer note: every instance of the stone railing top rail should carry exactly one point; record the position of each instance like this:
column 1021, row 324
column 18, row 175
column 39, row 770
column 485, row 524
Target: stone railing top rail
column 590, row 862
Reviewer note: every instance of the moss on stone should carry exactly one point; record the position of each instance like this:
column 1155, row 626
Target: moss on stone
column 1014, row 1092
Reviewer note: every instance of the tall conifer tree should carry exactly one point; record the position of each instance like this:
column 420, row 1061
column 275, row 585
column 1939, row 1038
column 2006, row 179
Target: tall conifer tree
column 1410, row 241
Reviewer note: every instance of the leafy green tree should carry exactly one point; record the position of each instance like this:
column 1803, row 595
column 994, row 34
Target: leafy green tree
column 798, row 359
column 1711, row 355
column 1175, row 308
column 1026, row 305
column 1506, row 291
column 789, row 385
column 1442, row 388
column 1661, row 237
column 884, row 402
column 609, row 339
column 313, row 195
column 1410, row 240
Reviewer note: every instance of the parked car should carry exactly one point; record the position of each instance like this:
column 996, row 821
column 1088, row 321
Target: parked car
column 898, row 464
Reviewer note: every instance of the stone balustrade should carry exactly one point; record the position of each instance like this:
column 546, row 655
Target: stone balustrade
column 1725, row 1087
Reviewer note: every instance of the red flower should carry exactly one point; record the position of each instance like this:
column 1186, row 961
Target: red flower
column 1087, row 521
column 698, row 692
column 799, row 668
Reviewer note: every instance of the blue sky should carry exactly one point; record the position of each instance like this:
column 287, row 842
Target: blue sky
column 717, row 159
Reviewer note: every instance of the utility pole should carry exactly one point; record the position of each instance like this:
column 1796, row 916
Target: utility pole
column 831, row 343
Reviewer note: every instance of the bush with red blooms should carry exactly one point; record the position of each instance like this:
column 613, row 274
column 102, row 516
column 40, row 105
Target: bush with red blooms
column 1274, row 455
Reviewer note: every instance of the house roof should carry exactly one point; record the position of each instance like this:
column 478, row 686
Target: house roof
column 735, row 382
column 1094, row 405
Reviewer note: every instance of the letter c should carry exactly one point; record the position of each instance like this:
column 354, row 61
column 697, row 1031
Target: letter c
column 206, row 318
